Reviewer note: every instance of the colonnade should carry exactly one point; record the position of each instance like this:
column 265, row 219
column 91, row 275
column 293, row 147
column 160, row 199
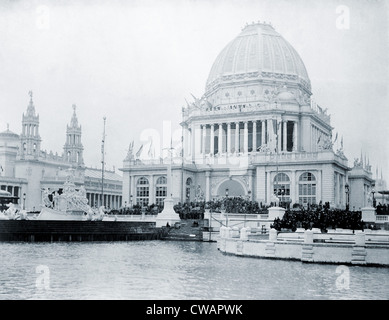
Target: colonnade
column 110, row 201
column 241, row 136
column 29, row 129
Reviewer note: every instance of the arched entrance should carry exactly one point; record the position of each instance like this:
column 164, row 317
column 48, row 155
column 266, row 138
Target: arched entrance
column 232, row 187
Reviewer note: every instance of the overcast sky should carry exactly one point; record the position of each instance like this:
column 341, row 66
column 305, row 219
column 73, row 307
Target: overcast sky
column 136, row 62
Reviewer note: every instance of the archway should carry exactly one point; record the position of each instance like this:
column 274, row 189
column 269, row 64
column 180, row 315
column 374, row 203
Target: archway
column 235, row 189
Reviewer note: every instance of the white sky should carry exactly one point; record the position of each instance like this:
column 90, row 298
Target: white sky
column 136, row 62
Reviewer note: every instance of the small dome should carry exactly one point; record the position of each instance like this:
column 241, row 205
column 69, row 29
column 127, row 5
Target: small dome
column 8, row 134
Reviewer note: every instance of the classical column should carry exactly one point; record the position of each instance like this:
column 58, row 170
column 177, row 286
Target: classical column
column 132, row 190
column 220, row 140
column 151, row 190
column 269, row 133
column 228, row 137
column 250, row 174
column 236, row 137
column 254, row 136
column 207, row 185
column 204, row 128
column 196, row 140
column 263, row 133
column 186, row 141
column 294, row 136
column 294, row 188
column 284, row 148
column 245, row 137
column 212, row 138
column 189, row 141
column 279, row 135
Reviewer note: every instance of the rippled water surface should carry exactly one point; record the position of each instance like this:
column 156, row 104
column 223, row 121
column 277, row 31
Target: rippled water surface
column 172, row 270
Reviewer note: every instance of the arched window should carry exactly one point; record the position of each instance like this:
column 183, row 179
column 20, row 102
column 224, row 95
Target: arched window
column 281, row 186
column 160, row 190
column 68, row 156
column 189, row 184
column 142, row 192
column 307, row 188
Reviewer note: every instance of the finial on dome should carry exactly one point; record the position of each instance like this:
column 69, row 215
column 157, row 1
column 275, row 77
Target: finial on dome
column 30, row 94
column 7, row 126
column 74, row 107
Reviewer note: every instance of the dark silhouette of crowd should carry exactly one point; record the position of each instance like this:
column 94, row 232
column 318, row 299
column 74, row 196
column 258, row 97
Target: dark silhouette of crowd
column 296, row 216
column 319, row 216
column 190, row 210
column 382, row 209
column 137, row 209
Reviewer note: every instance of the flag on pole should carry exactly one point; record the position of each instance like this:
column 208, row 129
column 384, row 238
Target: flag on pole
column 139, row 151
column 151, row 150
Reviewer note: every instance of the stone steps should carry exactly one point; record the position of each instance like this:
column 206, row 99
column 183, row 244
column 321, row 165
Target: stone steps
column 186, row 232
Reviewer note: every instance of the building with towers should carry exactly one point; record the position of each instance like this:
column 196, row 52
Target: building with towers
column 26, row 170
column 256, row 132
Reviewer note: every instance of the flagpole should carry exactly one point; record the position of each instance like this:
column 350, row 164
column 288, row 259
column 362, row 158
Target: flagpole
column 102, row 165
column 182, row 160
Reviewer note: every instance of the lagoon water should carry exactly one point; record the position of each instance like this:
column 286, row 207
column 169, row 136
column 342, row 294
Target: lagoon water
column 152, row 270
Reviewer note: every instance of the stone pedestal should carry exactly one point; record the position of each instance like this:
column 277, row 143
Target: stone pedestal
column 273, row 235
column 168, row 215
column 270, row 248
column 307, row 247
column 244, row 233
column 276, row 212
column 308, row 236
column 360, row 238
column 358, row 255
column 222, row 232
column 228, row 232
column 368, row 214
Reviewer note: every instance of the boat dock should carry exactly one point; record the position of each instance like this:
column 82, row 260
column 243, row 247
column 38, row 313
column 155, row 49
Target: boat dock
column 52, row 231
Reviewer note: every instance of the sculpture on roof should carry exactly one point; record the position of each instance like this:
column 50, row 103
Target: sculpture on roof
column 130, row 152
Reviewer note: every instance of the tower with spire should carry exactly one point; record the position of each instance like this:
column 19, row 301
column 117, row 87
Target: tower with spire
column 30, row 140
column 73, row 149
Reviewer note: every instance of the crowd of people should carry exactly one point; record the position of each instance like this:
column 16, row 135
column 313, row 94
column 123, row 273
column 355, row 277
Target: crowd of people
column 382, row 209
column 321, row 217
column 137, row 209
column 296, row 216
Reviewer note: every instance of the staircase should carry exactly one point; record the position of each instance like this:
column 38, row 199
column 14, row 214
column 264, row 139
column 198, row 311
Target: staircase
column 187, row 230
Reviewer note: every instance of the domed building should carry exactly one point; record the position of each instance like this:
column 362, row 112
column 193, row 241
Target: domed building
column 256, row 132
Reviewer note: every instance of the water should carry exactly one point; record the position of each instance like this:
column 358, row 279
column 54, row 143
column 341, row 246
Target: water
column 152, row 270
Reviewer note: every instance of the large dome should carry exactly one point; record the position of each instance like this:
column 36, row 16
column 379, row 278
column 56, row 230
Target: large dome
column 258, row 52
